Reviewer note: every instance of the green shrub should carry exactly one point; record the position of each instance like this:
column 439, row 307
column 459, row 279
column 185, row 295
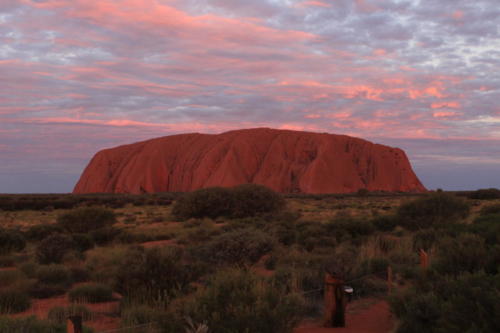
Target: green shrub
column 41, row 231
column 252, row 199
column 83, row 242
column 209, row 202
column 468, row 303
column 10, row 277
column 87, row 219
column 139, row 314
column 238, row 301
column 13, row 301
column 237, row 202
column 59, row 314
column 10, row 241
column 385, row 222
column 466, row 253
column 79, row 274
column 30, row 324
column 490, row 210
column 53, row 248
column 152, row 273
column 29, row 268
column 488, row 227
column 485, row 194
column 433, row 210
column 104, row 235
column 349, row 228
column 54, row 274
column 45, row 290
column 239, row 247
column 92, row 293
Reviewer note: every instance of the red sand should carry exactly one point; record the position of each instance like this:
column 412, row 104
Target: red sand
column 364, row 316
column 285, row 161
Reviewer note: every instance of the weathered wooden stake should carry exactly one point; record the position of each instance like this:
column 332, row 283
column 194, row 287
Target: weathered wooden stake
column 335, row 302
column 389, row 279
column 74, row 324
column 424, row 259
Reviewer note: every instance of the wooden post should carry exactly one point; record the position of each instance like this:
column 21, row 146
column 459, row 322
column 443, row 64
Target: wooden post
column 424, row 259
column 335, row 302
column 389, row 279
column 74, row 324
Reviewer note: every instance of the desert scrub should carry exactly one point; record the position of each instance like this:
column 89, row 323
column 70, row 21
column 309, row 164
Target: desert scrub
column 87, row 219
column 41, row 231
column 52, row 249
column 51, row 280
column 11, row 241
column 139, row 314
column 13, row 301
column 156, row 273
column 91, row 293
column 30, row 324
column 433, row 210
column 240, row 247
column 239, row 301
column 485, row 194
column 236, row 202
column 60, row 314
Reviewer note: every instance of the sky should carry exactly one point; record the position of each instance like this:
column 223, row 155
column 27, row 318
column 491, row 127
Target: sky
column 77, row 76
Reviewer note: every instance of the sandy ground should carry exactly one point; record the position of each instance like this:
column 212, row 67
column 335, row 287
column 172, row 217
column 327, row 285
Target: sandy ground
column 104, row 314
column 363, row 316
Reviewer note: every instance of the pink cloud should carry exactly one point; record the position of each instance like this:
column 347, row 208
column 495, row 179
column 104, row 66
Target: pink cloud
column 313, row 3
column 444, row 114
column 451, row 105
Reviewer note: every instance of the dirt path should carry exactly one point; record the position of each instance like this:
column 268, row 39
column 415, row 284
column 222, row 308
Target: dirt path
column 364, row 316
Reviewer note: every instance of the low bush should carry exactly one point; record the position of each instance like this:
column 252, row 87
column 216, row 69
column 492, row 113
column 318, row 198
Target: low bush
column 83, row 242
column 152, row 273
column 139, row 314
column 86, row 219
column 30, row 324
column 238, row 301
column 488, row 227
column 91, row 293
column 209, row 202
column 466, row 253
column 468, row 303
column 53, row 248
column 13, row 301
column 385, row 222
column 433, row 210
column 349, row 228
column 10, row 241
column 252, row 199
column 490, row 210
column 41, row 231
column 104, row 235
column 240, row 247
column 60, row 314
column 485, row 194
column 53, row 274
column 237, row 202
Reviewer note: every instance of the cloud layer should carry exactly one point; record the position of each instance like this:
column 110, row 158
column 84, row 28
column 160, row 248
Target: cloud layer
column 81, row 75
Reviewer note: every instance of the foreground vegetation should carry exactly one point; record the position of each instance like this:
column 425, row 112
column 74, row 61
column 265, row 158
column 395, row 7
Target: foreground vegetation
column 247, row 259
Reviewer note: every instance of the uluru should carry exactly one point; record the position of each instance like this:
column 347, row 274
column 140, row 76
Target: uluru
column 283, row 160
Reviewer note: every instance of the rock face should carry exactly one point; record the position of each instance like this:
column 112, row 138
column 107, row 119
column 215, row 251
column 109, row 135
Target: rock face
column 285, row 161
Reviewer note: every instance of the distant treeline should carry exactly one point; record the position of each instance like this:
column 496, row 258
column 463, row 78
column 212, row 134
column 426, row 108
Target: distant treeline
column 16, row 202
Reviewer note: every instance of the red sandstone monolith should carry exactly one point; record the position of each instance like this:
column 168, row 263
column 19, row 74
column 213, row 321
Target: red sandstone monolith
column 285, row 161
